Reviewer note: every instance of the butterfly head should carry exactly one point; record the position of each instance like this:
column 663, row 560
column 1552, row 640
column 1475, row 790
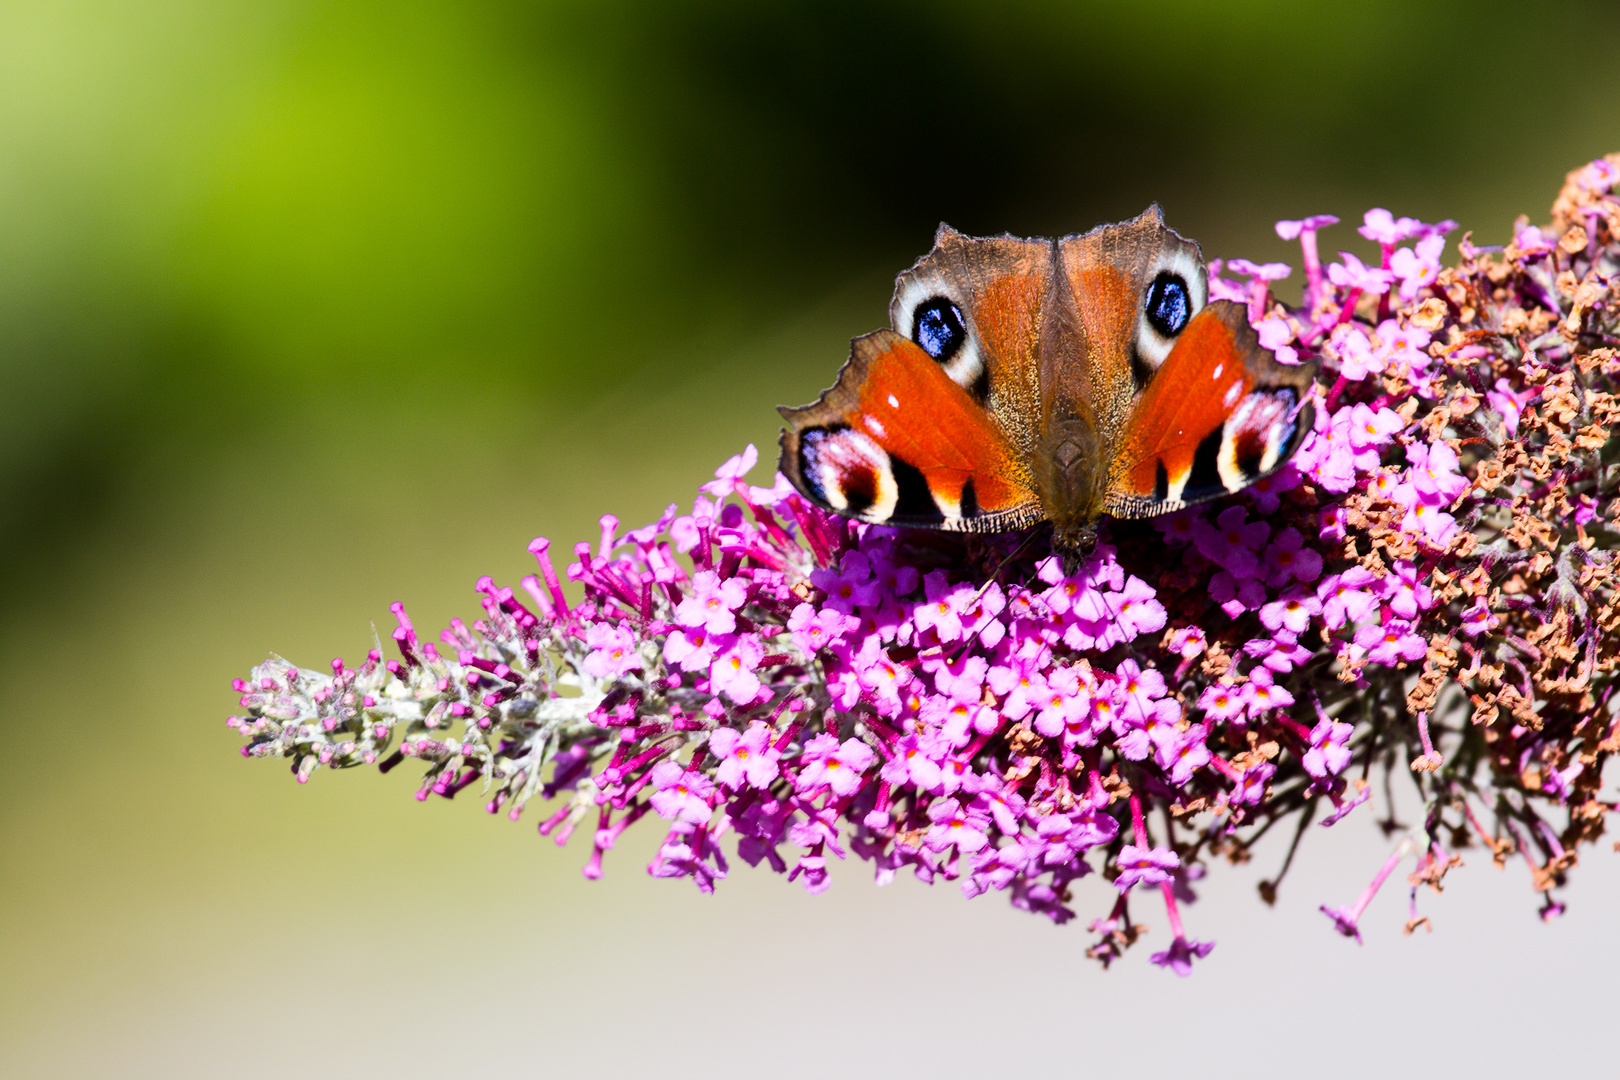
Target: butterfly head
column 1074, row 545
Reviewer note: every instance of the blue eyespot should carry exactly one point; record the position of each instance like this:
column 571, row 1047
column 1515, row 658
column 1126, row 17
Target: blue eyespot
column 938, row 327
column 1168, row 304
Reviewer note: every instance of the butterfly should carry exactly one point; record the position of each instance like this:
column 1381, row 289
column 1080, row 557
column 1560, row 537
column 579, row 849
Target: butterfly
column 1049, row 380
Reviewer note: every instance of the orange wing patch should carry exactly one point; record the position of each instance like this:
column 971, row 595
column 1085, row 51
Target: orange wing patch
column 896, row 441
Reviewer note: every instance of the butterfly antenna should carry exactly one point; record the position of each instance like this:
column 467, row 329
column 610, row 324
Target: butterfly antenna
column 1022, row 544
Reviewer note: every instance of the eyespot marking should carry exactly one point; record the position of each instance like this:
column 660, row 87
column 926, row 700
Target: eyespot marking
column 848, row 472
column 939, row 328
column 1169, row 304
column 1176, row 291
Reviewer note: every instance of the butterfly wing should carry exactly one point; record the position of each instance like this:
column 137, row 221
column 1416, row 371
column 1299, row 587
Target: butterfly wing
column 1218, row 414
column 897, row 441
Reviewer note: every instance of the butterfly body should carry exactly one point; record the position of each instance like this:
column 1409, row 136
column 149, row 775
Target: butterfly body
column 1056, row 380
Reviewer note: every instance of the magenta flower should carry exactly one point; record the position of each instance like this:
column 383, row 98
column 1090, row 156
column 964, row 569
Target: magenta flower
column 960, row 678
column 1291, row 230
column 1508, row 404
column 941, row 612
column 680, row 794
column 851, row 586
column 1381, row 227
column 1405, row 591
column 1328, row 754
column 1433, row 469
column 1531, row 243
column 884, row 680
column 1019, row 681
column 734, row 671
column 1144, row 866
column 1180, row 955
column 1288, row 559
column 1370, row 428
column 1064, row 702
column 1250, row 787
column 1357, row 358
column 1418, row 267
column 1278, row 336
column 1076, row 595
column 1479, row 619
column 729, row 475
column 1292, row 611
column 954, row 824
column 839, row 766
column 1151, row 731
column 1280, row 653
column 1231, row 541
column 1179, row 527
column 1234, row 596
column 1345, row 597
column 1342, row 805
column 693, row 649
column 1328, row 459
column 1188, row 642
column 1391, row 643
column 1422, row 516
column 814, row 630
column 746, row 756
column 1135, row 609
column 1185, row 756
column 1141, row 691
column 1221, row 702
column 1347, row 920
column 1263, row 271
column 916, row 761
column 1262, row 693
column 1354, row 275
column 712, row 604
column 1402, row 344
column 613, row 651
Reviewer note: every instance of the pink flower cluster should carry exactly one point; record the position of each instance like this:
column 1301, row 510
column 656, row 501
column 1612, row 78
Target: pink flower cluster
column 1433, row 570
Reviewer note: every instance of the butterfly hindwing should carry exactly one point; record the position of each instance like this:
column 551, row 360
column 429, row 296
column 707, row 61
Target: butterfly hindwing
column 897, row 442
column 1219, row 413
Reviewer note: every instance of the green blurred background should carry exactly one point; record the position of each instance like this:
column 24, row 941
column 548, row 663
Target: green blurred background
column 307, row 307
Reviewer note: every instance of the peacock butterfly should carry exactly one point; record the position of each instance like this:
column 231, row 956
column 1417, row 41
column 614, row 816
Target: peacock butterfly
column 1049, row 380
